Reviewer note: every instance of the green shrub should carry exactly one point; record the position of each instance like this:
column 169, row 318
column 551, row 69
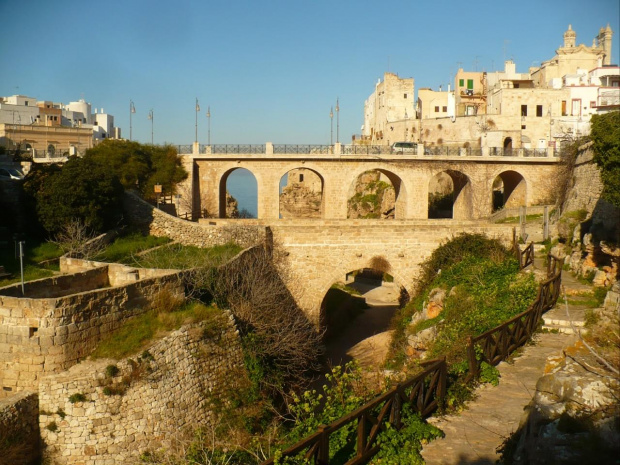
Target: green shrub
column 111, row 371
column 77, row 397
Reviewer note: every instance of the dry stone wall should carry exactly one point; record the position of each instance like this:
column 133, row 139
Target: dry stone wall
column 168, row 394
column 19, row 429
column 203, row 234
column 41, row 334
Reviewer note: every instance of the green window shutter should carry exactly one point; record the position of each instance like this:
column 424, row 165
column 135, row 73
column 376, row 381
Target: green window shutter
column 461, row 82
column 470, row 83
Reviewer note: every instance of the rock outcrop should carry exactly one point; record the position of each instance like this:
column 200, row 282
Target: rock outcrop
column 574, row 415
column 373, row 198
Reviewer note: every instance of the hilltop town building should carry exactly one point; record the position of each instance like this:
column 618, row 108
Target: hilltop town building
column 540, row 109
column 571, row 57
column 389, row 110
column 48, row 130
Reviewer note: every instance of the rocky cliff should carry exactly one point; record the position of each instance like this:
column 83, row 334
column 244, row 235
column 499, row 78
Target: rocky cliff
column 373, row 197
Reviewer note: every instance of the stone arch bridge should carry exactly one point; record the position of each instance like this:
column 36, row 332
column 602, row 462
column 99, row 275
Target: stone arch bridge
column 526, row 180
column 322, row 251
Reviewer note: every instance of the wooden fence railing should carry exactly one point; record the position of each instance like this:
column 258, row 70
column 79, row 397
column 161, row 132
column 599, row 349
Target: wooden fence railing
column 422, row 392
column 425, row 390
column 525, row 256
column 501, row 341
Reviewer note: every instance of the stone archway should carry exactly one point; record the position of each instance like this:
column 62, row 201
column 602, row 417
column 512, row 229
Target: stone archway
column 509, row 190
column 301, row 194
column 376, row 193
column 245, row 187
column 343, row 271
column 450, row 196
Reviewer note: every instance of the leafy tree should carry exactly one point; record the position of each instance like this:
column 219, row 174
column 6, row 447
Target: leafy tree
column 139, row 166
column 605, row 135
column 38, row 176
column 82, row 190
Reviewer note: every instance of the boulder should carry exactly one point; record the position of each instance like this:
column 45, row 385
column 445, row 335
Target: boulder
column 422, row 340
column 572, row 415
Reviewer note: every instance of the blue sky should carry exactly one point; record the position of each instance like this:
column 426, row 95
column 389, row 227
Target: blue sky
column 270, row 70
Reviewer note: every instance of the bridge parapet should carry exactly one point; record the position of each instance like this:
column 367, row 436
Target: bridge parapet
column 420, row 152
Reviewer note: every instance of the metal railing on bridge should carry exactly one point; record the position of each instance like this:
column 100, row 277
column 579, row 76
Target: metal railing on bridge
column 534, row 152
column 303, row 149
column 185, row 148
column 238, row 148
column 365, row 149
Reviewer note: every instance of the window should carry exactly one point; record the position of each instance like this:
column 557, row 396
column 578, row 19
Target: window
column 592, row 104
column 461, row 82
column 516, row 86
column 523, row 110
column 436, row 109
column 470, row 84
column 301, row 178
column 523, row 126
column 445, row 109
column 539, row 110
column 405, row 96
column 563, row 107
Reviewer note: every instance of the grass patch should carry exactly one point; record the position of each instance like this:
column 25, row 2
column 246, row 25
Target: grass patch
column 178, row 256
column 126, row 247
column 135, row 334
column 34, row 253
column 515, row 219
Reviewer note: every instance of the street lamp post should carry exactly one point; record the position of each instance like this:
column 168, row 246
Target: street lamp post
column 209, row 125
column 152, row 119
column 197, row 111
column 331, row 119
column 132, row 110
column 337, row 120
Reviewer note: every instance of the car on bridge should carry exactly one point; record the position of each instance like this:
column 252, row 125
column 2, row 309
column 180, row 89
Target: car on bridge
column 405, row 147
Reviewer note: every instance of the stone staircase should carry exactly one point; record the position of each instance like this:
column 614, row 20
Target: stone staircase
column 560, row 318
column 556, row 320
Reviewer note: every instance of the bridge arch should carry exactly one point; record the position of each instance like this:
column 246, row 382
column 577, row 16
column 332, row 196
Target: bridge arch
column 404, row 279
column 510, row 190
column 450, row 195
column 302, row 193
column 396, row 180
column 222, row 184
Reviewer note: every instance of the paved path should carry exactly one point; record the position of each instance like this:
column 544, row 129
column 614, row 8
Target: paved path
column 473, row 436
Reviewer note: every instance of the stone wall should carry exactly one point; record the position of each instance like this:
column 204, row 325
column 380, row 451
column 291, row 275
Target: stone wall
column 19, row 429
column 201, row 234
column 169, row 393
column 49, row 334
column 585, row 193
column 59, row 286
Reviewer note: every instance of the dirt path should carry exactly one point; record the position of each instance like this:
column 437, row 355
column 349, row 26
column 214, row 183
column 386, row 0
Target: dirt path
column 367, row 338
